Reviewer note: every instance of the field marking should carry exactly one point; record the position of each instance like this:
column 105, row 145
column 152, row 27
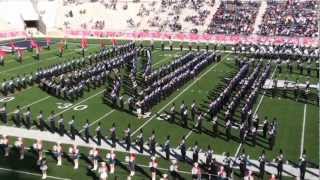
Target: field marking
column 177, row 96
column 162, row 60
column 99, row 119
column 84, row 100
column 33, row 174
column 303, row 128
column 35, row 102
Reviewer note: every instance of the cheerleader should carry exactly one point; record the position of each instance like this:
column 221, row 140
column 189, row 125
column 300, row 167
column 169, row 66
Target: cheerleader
column 5, row 145
column 153, row 167
column 58, row 152
column 94, row 157
column 250, row 176
column 74, row 153
column 173, row 169
column 222, row 173
column 196, row 172
column 103, row 171
column 111, row 157
column 132, row 163
column 43, row 168
column 164, row 177
column 38, row 147
column 20, row 146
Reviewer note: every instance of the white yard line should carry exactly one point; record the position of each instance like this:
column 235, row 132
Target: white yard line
column 303, row 128
column 102, row 117
column 164, row 59
column 32, row 174
column 177, row 96
column 35, row 102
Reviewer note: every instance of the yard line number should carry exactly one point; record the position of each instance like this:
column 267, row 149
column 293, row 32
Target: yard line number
column 68, row 105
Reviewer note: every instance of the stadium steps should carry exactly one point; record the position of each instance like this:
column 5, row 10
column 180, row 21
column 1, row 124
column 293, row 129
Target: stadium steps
column 253, row 165
column 217, row 4
column 259, row 17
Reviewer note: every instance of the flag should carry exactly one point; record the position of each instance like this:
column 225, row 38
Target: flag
column 102, row 44
column 38, row 49
column 114, row 42
column 84, row 43
column 48, row 40
column 20, row 53
column 33, row 43
column 2, row 54
column 13, row 45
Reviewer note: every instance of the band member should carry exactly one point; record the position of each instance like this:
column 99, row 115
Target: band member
column 5, row 145
column 127, row 138
column 113, row 135
column 94, row 157
column 215, row 126
column 303, row 165
column 3, row 113
column 72, row 128
column 20, row 147
column 153, row 167
column 99, row 134
column 86, row 128
column 243, row 164
column 17, row 116
column 196, row 172
column 226, row 163
column 209, row 155
column 43, row 168
column 183, row 148
column 111, row 157
column 103, row 171
column 58, row 152
column 262, row 163
column 166, row 147
column 280, row 162
column 28, row 118
column 41, row 121
column 74, row 153
column 61, row 125
column 152, row 143
column 172, row 113
column 228, row 129
column 193, row 109
column 162, row 46
column 38, row 147
column 195, row 152
column 140, row 141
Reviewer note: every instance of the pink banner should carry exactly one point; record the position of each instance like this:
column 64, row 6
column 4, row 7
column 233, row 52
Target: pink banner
column 215, row 38
column 12, row 34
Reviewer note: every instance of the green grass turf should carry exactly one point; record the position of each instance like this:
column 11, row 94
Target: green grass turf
column 288, row 112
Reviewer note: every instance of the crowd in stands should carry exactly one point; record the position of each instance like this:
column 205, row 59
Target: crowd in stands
column 234, row 17
column 290, row 18
column 281, row 18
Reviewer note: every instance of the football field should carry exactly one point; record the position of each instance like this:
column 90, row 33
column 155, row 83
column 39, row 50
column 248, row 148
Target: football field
column 298, row 120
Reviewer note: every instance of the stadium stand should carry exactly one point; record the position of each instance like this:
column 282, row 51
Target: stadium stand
column 290, row 18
